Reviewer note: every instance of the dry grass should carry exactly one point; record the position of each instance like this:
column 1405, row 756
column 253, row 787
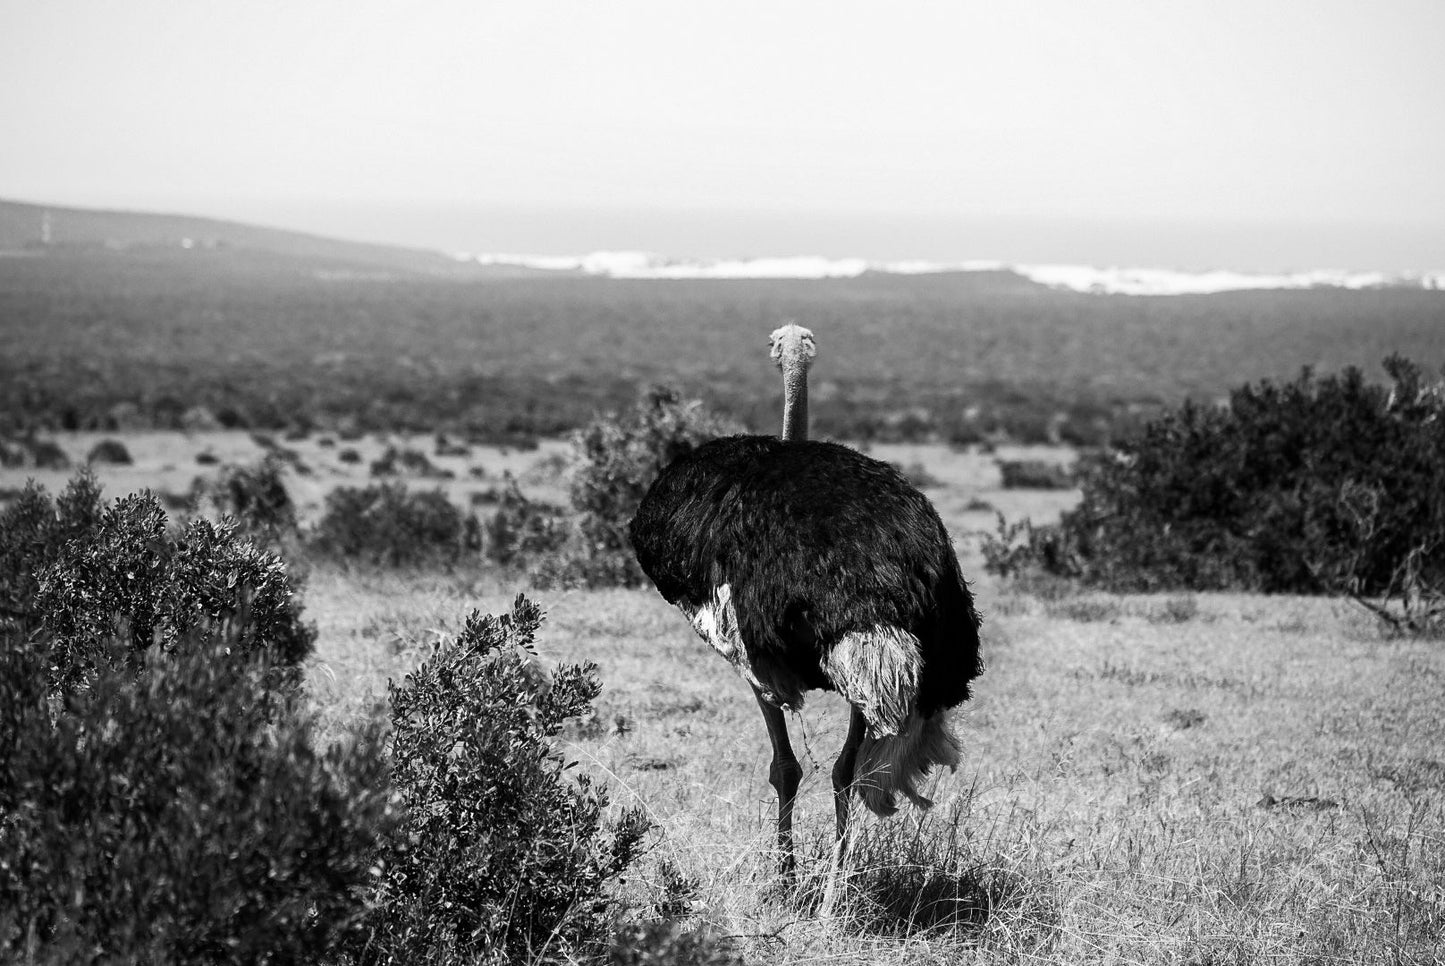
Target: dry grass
column 1259, row 782
column 1202, row 779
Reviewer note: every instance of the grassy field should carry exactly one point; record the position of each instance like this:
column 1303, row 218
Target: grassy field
column 1199, row 779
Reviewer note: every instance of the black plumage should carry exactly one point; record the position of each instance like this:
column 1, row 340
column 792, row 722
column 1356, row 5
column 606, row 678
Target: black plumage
column 815, row 540
column 808, row 565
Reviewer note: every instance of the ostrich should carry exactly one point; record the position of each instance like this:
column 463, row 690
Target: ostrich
column 810, row 566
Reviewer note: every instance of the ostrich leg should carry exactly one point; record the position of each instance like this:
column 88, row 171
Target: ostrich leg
column 784, row 775
column 843, row 775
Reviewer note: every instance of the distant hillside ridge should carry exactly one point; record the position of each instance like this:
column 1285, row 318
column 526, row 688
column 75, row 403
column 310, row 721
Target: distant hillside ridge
column 29, row 227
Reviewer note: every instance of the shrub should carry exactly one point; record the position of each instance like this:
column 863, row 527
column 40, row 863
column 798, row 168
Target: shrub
column 124, row 571
column 447, row 447
column 618, row 457
column 175, row 816
column 523, row 530
column 109, row 451
column 281, row 455
column 502, row 856
column 33, row 531
column 1016, row 549
column 254, row 496
column 918, row 474
column 1326, row 485
column 30, row 450
column 387, row 525
column 1035, row 475
column 407, row 462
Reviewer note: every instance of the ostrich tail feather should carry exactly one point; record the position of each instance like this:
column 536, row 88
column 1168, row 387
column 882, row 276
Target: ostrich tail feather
column 896, row 765
column 878, row 671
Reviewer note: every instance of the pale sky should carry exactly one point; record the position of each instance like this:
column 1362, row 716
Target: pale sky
column 1313, row 112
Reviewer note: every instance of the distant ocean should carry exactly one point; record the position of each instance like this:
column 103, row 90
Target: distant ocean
column 1193, row 248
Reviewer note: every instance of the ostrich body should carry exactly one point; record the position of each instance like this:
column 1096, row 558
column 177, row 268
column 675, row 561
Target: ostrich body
column 810, row 566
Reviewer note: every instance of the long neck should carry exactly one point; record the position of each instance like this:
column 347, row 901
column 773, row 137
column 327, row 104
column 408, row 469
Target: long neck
column 795, row 402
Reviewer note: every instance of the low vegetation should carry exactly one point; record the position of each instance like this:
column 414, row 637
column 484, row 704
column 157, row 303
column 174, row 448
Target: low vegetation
column 400, row 461
column 179, row 814
column 109, row 451
column 79, row 573
column 521, row 531
column 1035, row 475
column 617, row 458
column 388, row 525
column 164, row 796
column 503, row 855
column 1320, row 485
column 254, row 496
column 32, row 451
column 966, row 357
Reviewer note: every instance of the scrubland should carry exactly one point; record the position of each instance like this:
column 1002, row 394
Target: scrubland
column 150, row 338
column 1200, row 778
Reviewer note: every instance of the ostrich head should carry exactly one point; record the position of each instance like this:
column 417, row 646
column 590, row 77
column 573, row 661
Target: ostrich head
column 793, row 350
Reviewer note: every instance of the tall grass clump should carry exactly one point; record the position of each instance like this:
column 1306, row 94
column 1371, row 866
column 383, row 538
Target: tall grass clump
column 1321, row 485
column 926, row 878
column 503, row 855
column 81, row 573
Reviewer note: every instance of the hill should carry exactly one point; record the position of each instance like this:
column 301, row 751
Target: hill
column 34, row 228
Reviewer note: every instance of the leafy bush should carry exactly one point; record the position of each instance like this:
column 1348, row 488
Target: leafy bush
column 407, row 462
column 128, row 571
column 448, row 447
column 1035, row 475
column 254, row 496
column 1321, row 485
column 109, row 451
column 618, row 457
column 523, row 530
column 502, row 856
column 175, row 816
column 33, row 531
column 30, row 450
column 76, row 571
column 387, row 525
column 1019, row 549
